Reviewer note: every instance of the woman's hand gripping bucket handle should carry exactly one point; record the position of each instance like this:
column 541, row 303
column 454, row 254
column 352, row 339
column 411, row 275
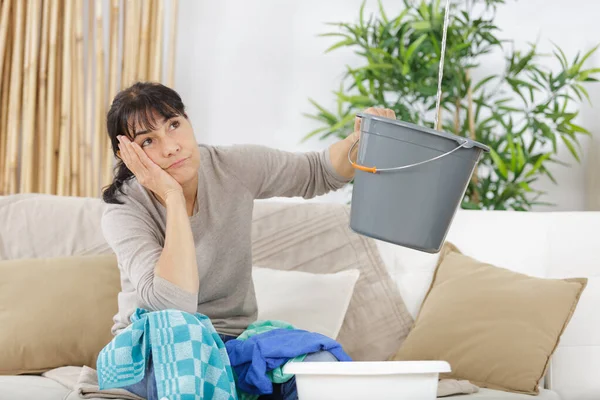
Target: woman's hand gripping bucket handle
column 375, row 170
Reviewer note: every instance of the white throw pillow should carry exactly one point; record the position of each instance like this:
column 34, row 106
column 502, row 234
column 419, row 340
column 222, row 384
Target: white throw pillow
column 313, row 302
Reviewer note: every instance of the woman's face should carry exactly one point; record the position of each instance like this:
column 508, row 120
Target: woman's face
column 172, row 146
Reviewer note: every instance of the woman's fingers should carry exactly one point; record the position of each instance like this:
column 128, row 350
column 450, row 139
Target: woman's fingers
column 123, row 151
column 131, row 159
column 381, row 112
column 357, row 124
column 143, row 157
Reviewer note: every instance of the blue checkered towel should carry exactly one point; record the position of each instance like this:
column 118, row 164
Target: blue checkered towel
column 190, row 359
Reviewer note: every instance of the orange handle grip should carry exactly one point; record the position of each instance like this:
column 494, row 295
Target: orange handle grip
column 372, row 170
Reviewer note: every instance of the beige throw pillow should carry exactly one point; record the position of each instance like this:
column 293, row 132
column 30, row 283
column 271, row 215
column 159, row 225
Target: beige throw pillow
column 55, row 312
column 497, row 328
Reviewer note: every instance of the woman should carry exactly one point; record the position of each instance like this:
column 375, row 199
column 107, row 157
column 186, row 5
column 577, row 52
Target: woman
column 179, row 214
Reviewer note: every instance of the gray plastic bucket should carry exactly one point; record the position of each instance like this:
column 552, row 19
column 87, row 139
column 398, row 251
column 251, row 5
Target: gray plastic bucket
column 409, row 182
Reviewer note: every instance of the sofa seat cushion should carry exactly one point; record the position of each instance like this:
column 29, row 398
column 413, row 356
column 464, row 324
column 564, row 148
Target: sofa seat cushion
column 31, row 387
column 489, row 394
column 40, row 388
column 35, row 387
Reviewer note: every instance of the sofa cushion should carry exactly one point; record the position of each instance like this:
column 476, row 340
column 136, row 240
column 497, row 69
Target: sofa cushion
column 313, row 302
column 497, row 328
column 317, row 238
column 525, row 234
column 48, row 226
column 31, row 387
column 574, row 239
column 490, row 394
column 55, row 312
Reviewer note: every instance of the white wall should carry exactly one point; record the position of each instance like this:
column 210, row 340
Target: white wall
column 245, row 69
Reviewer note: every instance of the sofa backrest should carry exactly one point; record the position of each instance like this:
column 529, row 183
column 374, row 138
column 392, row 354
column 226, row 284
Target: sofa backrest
column 46, row 226
column 542, row 244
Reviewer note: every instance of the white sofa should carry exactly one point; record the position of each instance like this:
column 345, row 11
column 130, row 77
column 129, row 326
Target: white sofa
column 538, row 244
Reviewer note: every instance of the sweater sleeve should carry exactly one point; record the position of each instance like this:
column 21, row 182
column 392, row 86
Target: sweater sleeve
column 137, row 247
column 268, row 172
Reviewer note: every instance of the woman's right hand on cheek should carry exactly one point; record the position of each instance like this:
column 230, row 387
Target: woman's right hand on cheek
column 146, row 171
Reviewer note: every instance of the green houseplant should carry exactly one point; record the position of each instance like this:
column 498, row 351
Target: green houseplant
column 521, row 113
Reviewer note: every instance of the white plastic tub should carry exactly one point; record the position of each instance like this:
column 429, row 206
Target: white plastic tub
column 393, row 380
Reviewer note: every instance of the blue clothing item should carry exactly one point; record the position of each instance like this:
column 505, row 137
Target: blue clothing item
column 252, row 358
column 187, row 356
column 146, row 388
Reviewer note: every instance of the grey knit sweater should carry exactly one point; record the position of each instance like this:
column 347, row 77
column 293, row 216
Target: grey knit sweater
column 230, row 179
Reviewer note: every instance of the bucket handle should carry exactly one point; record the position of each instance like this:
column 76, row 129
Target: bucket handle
column 375, row 170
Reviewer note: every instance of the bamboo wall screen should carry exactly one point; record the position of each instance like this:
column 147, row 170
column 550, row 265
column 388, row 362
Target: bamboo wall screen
column 61, row 64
